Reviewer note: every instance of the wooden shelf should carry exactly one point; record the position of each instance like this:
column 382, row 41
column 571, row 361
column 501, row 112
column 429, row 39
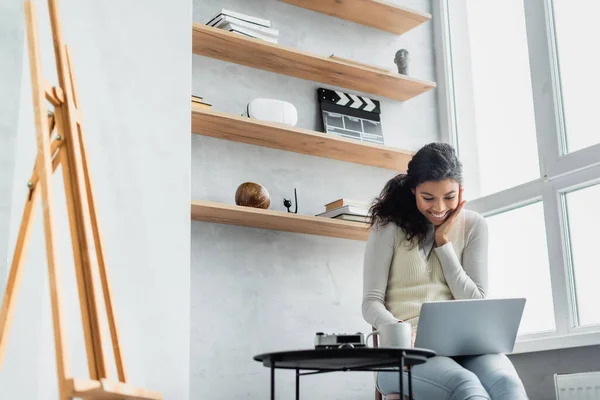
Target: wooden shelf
column 209, row 211
column 232, row 47
column 283, row 137
column 374, row 13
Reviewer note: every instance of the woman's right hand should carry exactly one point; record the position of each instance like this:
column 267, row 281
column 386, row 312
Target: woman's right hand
column 442, row 231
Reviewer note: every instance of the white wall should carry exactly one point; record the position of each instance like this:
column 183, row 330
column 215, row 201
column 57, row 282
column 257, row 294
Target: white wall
column 132, row 63
column 11, row 48
column 256, row 290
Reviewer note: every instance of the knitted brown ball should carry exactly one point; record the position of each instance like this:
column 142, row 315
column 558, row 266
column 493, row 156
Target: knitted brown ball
column 252, row 194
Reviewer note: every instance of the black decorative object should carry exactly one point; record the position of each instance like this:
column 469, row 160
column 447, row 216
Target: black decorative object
column 401, row 61
column 288, row 203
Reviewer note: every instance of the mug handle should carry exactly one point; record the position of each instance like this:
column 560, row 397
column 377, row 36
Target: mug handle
column 368, row 336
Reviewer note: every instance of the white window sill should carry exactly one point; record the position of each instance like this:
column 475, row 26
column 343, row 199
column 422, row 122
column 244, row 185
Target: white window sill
column 557, row 342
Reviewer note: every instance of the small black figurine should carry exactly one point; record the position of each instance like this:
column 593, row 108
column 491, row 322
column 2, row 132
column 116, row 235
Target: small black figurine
column 288, row 203
column 401, row 60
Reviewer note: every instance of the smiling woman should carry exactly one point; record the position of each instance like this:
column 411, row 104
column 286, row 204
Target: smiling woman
column 436, row 200
column 424, row 247
column 430, row 193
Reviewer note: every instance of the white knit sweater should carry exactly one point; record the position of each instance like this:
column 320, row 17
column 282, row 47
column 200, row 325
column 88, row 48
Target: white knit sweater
column 398, row 277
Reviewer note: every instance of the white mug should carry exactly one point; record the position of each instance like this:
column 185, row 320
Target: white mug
column 394, row 335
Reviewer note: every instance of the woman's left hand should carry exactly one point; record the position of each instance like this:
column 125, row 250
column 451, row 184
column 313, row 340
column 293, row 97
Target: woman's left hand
column 442, row 231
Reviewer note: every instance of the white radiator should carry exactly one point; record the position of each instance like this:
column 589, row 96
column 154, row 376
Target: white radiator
column 584, row 386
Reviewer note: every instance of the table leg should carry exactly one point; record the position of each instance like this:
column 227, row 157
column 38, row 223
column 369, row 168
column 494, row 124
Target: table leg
column 401, row 375
column 297, row 384
column 410, row 392
column 272, row 381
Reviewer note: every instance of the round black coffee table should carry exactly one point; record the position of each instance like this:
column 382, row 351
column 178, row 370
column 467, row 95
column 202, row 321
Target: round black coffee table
column 319, row 361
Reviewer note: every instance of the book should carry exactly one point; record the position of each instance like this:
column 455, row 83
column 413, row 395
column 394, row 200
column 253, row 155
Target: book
column 243, row 17
column 360, row 211
column 346, row 202
column 354, row 218
column 248, row 32
column 226, row 19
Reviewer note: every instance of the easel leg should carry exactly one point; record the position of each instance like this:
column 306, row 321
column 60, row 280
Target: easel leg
column 81, row 236
column 16, row 269
column 14, row 279
column 44, row 169
column 79, row 271
column 68, row 120
column 104, row 278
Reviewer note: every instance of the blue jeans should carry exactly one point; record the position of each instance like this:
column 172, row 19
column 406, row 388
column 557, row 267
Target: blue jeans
column 490, row 376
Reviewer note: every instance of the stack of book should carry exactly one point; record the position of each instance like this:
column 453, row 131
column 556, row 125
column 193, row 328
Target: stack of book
column 197, row 100
column 243, row 24
column 348, row 210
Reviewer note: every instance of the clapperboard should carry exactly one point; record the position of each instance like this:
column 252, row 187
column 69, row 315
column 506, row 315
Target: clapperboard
column 350, row 115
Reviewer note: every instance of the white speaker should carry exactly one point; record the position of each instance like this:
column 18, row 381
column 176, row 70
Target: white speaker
column 272, row 110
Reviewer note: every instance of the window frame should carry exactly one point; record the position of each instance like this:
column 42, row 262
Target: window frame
column 560, row 172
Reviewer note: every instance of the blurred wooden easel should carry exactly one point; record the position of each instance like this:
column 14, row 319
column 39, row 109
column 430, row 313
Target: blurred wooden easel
column 67, row 148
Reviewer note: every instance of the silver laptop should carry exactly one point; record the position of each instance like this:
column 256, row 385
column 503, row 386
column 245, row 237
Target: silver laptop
column 469, row 327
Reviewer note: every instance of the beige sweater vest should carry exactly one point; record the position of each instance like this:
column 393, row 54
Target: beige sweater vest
column 412, row 281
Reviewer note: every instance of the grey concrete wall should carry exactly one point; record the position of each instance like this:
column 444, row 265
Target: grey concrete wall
column 132, row 64
column 256, row 290
column 537, row 369
column 11, row 48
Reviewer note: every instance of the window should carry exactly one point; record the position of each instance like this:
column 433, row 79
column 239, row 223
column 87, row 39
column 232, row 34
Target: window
column 577, row 64
column 583, row 220
column 518, row 103
column 502, row 98
column 518, row 264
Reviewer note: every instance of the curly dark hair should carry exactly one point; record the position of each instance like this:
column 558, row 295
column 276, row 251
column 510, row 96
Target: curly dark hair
column 397, row 203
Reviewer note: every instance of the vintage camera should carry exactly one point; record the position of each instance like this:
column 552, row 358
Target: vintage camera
column 339, row 340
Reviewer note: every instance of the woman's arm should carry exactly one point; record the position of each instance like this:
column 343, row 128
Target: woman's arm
column 470, row 280
column 378, row 257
